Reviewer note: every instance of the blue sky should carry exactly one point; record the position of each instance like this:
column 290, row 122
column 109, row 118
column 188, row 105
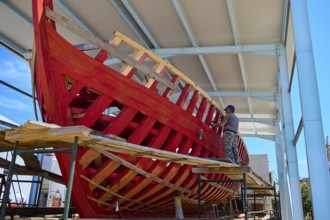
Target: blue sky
column 19, row 108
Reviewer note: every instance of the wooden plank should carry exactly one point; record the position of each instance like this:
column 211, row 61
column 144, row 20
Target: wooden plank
column 109, row 48
column 88, row 157
column 23, row 170
column 224, row 170
column 50, row 134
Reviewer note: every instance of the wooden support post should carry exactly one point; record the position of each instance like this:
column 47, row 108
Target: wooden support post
column 178, row 208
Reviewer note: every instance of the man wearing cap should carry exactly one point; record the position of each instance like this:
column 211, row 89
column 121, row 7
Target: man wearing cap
column 230, row 127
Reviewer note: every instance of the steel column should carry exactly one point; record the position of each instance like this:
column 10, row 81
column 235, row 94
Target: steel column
column 288, row 129
column 311, row 111
column 8, row 183
column 281, row 170
column 275, row 202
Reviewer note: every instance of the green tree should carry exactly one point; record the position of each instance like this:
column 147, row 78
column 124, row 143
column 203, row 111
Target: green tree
column 306, row 198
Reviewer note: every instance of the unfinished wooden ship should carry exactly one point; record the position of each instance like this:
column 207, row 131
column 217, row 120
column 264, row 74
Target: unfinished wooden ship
column 165, row 111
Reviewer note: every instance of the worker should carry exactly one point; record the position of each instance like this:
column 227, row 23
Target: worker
column 230, row 127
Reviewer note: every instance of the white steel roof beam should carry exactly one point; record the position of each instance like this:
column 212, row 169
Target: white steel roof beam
column 132, row 23
column 191, row 36
column 256, row 49
column 262, row 49
column 12, row 45
column 240, row 60
column 268, row 96
column 266, row 121
column 270, row 137
column 285, row 16
column 74, row 17
column 17, row 12
column 140, row 23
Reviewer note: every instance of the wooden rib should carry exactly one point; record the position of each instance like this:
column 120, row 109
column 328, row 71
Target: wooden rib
column 110, row 49
column 94, row 111
column 144, row 173
column 159, row 166
column 159, row 140
column 150, row 82
column 193, row 102
column 201, row 109
column 109, row 205
column 184, row 95
column 76, row 88
column 114, row 193
column 210, row 114
column 102, row 56
column 126, row 68
column 103, row 173
column 88, row 157
column 178, row 179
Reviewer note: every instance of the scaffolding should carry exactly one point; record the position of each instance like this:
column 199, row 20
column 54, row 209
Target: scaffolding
column 32, row 136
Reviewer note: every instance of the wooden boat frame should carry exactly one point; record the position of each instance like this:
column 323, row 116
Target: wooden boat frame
column 74, row 88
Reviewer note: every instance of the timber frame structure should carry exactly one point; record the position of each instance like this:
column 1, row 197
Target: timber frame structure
column 27, row 138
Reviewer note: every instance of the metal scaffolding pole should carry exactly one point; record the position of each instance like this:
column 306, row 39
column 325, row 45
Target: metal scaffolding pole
column 5, row 197
column 288, row 130
column 243, row 187
column 311, row 111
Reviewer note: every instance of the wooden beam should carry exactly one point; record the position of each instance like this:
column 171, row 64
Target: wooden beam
column 224, row 170
column 107, row 47
column 23, row 170
column 47, row 134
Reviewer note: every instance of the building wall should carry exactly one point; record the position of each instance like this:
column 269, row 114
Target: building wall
column 259, row 163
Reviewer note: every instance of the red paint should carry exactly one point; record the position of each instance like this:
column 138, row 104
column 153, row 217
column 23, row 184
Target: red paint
column 76, row 89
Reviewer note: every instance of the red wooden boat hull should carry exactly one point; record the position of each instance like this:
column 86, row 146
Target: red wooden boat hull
column 74, row 88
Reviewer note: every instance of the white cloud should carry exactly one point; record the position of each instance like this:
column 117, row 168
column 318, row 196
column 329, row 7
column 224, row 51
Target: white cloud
column 16, row 72
column 13, row 104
